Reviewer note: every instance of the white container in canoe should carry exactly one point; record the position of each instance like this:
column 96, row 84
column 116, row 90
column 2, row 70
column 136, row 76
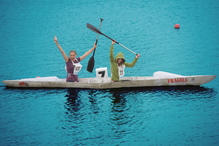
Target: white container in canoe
column 102, row 81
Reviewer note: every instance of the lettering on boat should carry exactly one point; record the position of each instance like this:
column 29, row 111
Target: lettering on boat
column 23, row 84
column 177, row 80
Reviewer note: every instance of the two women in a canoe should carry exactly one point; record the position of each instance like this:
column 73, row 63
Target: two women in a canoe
column 73, row 65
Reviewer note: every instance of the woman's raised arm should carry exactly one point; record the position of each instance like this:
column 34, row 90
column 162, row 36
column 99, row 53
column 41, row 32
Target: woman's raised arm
column 88, row 52
column 61, row 50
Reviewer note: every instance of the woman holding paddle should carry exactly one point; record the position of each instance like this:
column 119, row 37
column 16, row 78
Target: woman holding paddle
column 73, row 65
column 118, row 64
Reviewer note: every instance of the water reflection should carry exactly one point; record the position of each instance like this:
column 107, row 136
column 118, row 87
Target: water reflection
column 93, row 99
column 119, row 116
column 201, row 92
column 118, row 99
column 132, row 107
column 119, row 112
column 73, row 101
column 119, row 96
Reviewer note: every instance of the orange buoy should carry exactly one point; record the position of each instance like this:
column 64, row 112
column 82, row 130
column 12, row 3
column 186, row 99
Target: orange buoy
column 37, row 77
column 177, row 26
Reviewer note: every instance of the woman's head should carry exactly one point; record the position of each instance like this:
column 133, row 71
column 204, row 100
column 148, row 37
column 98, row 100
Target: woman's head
column 120, row 60
column 72, row 54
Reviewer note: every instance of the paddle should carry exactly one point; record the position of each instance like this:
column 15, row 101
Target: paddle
column 94, row 29
column 90, row 65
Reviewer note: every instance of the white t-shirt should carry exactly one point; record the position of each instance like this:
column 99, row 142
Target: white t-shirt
column 121, row 70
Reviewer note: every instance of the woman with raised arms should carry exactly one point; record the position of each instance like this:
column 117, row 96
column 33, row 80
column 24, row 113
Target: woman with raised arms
column 73, row 65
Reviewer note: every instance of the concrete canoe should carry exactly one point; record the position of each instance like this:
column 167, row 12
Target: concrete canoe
column 105, row 83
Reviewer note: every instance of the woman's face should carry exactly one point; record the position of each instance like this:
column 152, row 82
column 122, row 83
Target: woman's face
column 119, row 60
column 72, row 56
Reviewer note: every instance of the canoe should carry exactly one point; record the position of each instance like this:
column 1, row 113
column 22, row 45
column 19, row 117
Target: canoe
column 158, row 79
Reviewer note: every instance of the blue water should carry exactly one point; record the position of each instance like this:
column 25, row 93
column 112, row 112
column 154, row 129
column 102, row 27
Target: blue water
column 140, row 116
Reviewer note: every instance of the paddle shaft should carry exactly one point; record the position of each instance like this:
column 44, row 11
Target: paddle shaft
column 94, row 29
column 98, row 34
column 90, row 65
column 119, row 44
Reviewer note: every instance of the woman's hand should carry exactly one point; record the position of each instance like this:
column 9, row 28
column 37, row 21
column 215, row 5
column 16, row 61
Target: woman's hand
column 55, row 39
column 95, row 45
column 113, row 42
column 138, row 55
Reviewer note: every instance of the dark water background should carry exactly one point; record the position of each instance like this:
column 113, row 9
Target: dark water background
column 150, row 116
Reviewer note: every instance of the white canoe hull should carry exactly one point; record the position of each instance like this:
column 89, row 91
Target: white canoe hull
column 98, row 83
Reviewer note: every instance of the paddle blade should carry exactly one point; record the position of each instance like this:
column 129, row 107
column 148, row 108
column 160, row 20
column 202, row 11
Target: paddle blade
column 93, row 28
column 90, row 65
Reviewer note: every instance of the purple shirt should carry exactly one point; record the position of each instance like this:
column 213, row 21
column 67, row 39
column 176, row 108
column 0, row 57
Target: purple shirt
column 70, row 70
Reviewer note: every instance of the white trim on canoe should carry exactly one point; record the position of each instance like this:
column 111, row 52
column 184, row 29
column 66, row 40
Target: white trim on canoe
column 158, row 79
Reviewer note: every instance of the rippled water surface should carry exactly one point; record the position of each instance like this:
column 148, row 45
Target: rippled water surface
column 138, row 116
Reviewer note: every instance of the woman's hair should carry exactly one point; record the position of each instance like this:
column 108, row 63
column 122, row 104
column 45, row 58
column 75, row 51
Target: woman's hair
column 121, row 63
column 73, row 52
